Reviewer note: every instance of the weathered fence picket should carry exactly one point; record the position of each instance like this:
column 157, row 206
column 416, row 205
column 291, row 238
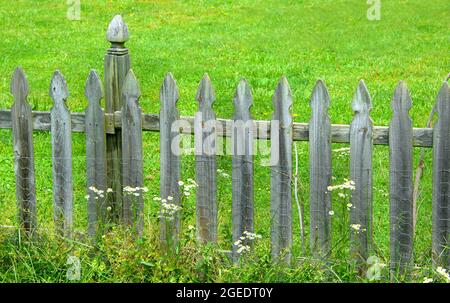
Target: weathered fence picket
column 205, row 163
column 242, row 163
column 170, row 164
column 95, row 155
column 61, row 155
column 132, row 159
column 22, row 129
column 441, row 179
column 401, row 181
column 361, row 174
column 320, row 170
column 281, row 173
column 117, row 63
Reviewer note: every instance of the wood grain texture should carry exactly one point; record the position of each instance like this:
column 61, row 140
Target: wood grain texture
column 340, row 133
column 205, row 163
column 132, row 159
column 95, row 154
column 361, row 173
column 61, row 155
column 117, row 63
column 441, row 179
column 320, row 171
column 281, row 173
column 170, row 164
column 401, row 181
column 242, row 163
column 22, row 130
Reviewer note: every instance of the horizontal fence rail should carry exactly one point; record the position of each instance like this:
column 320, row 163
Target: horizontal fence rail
column 340, row 133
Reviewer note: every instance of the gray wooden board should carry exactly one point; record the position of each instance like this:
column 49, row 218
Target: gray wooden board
column 281, row 174
column 401, row 181
column 441, row 179
column 132, row 158
column 95, row 154
column 61, row 155
column 24, row 170
column 340, row 133
column 170, row 164
column 320, row 171
column 361, row 173
column 205, row 163
column 242, row 163
column 116, row 66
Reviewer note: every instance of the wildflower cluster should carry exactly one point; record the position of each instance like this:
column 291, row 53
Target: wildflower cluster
column 246, row 238
column 98, row 192
column 187, row 187
column 134, row 191
column 223, row 173
column 168, row 209
column 443, row 273
column 348, row 184
column 357, row 228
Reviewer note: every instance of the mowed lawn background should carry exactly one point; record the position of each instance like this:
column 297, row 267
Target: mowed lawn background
column 257, row 40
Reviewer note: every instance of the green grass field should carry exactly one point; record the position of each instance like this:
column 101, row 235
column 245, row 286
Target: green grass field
column 258, row 40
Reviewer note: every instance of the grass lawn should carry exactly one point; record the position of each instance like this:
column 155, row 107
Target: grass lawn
column 258, row 40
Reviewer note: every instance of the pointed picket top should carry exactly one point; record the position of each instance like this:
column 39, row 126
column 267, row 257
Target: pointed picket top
column 243, row 100
column 117, row 30
column 19, row 85
column 130, row 87
column 361, row 102
column 205, row 93
column 443, row 95
column 58, row 88
column 320, row 95
column 401, row 103
column 169, row 94
column 93, row 89
column 282, row 103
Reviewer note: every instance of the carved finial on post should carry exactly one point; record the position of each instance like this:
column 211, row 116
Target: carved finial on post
column 117, row 31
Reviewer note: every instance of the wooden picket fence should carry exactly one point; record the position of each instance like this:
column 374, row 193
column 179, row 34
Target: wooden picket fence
column 114, row 158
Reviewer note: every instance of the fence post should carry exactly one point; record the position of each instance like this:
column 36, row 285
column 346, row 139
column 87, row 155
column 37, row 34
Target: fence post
column 401, row 181
column 320, row 171
column 205, row 163
column 61, row 132
column 117, row 64
column 170, row 159
column 95, row 155
column 242, row 162
column 281, row 173
column 22, row 129
column 361, row 173
column 441, row 179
